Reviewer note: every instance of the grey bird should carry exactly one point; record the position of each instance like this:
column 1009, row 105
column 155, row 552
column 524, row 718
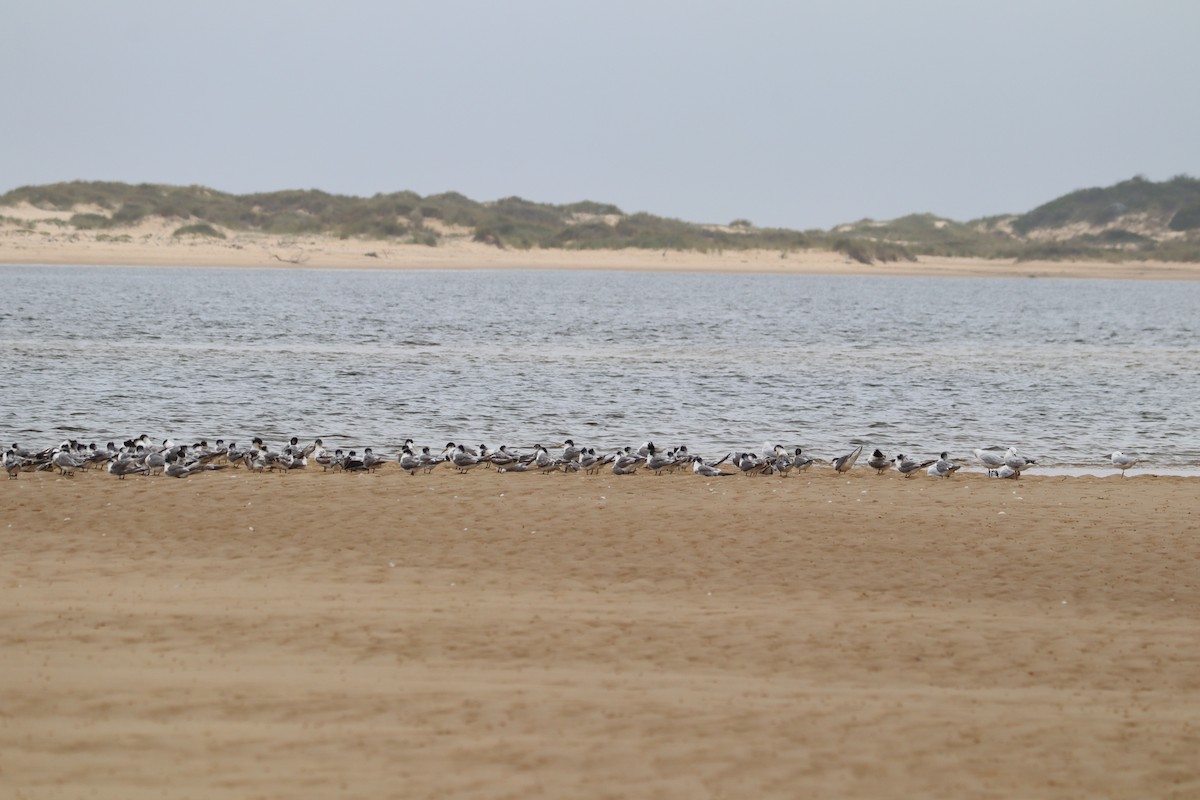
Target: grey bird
column 844, row 463
column 709, row 470
column 66, row 463
column 943, row 467
column 12, row 463
column 907, row 467
column 879, row 462
column 126, row 466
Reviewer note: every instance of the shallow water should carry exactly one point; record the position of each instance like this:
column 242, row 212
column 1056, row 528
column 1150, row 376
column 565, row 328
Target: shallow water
column 1064, row 370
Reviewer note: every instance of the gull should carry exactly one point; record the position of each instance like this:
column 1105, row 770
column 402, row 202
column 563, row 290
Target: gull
column 1122, row 461
column 1014, row 461
column 844, row 463
column 879, row 462
column 944, row 467
column 993, row 461
column 1006, row 472
column 907, row 467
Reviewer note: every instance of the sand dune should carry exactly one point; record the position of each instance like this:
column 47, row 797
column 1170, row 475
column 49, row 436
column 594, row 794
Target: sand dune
column 36, row 236
column 484, row 635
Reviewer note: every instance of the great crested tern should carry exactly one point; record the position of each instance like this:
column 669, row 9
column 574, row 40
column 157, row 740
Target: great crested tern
column 844, row 463
column 944, row 467
column 13, row 463
column 907, row 467
column 879, row 462
column 709, row 470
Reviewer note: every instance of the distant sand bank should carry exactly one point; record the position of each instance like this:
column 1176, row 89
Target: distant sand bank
column 49, row 241
column 483, row 636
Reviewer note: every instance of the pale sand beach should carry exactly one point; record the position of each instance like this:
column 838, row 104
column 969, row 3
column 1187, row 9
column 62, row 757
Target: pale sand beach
column 236, row 635
column 36, row 236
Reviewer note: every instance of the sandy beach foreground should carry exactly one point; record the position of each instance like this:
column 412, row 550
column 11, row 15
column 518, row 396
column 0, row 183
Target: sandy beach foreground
column 486, row 635
column 37, row 236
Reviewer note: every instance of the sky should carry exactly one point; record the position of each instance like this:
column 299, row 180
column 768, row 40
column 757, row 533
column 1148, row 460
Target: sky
column 787, row 114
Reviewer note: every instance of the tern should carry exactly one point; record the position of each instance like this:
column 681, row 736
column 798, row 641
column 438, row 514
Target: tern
column 844, row 463
column 13, row 463
column 708, row 470
column 907, row 467
column 944, row 467
column 879, row 462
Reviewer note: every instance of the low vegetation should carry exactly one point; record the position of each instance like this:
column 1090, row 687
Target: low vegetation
column 1134, row 219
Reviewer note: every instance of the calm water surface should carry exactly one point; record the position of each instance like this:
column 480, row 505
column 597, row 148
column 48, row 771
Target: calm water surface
column 1065, row 370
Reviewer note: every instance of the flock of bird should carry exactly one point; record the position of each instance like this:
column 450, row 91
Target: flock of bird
column 141, row 456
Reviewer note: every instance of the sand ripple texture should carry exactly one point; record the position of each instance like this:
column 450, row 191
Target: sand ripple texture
column 499, row 636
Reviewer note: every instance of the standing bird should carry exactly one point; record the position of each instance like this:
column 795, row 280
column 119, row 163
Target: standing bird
column 1122, row 461
column 879, row 462
column 13, row 463
column 993, row 461
column 907, row 467
column 1014, row 461
column 844, row 463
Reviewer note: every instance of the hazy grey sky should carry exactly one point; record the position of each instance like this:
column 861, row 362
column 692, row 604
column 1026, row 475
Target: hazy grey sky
column 792, row 114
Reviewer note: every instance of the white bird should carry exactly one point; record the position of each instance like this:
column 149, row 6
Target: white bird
column 993, row 461
column 1014, row 461
column 1122, row 461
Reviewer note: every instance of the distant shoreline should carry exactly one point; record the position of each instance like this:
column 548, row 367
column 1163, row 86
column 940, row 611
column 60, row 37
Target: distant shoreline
column 152, row 244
